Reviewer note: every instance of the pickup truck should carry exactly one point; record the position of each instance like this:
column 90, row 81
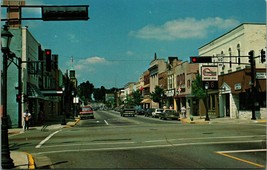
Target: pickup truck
column 128, row 110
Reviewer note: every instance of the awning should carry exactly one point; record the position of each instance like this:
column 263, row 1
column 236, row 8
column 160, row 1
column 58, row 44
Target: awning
column 146, row 101
column 34, row 92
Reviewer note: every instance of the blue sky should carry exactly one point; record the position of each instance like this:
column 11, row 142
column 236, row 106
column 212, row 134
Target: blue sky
column 117, row 43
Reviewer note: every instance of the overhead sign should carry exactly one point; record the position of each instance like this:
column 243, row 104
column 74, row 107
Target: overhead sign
column 209, row 73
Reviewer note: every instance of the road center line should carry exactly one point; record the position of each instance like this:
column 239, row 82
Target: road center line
column 106, row 122
column 46, row 139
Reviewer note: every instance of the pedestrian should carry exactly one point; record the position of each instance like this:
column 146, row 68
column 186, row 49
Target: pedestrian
column 27, row 117
column 183, row 111
column 164, row 107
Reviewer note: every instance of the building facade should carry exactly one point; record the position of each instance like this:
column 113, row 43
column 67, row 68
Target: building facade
column 230, row 53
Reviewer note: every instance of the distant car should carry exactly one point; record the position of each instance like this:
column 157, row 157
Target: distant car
column 86, row 112
column 149, row 111
column 169, row 114
column 127, row 110
column 157, row 112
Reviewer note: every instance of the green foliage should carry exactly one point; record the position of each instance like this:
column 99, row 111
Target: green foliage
column 99, row 94
column 137, row 97
column 197, row 88
column 157, row 95
column 85, row 90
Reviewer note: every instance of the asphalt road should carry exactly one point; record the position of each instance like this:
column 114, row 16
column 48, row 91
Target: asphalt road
column 112, row 141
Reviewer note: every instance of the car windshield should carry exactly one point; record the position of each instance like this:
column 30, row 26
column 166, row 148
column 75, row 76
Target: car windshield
column 170, row 111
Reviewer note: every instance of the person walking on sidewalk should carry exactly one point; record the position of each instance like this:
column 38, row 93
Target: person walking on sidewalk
column 183, row 111
column 27, row 117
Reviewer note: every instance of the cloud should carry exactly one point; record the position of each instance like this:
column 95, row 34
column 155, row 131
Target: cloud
column 129, row 53
column 184, row 28
column 88, row 64
column 72, row 38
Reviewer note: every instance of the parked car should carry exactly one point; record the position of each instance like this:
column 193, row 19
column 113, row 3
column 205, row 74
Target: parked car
column 157, row 112
column 149, row 111
column 128, row 110
column 169, row 114
column 86, row 112
column 140, row 111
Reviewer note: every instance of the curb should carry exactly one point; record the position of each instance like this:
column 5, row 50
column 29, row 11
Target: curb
column 186, row 120
column 31, row 161
column 72, row 124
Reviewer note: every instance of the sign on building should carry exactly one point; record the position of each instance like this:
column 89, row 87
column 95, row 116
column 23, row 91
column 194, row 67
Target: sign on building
column 209, row 73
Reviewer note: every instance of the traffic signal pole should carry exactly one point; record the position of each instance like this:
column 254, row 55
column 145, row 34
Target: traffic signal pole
column 252, row 83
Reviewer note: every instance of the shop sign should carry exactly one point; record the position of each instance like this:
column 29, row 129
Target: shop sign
column 238, row 86
column 170, row 93
column 260, row 75
column 209, row 73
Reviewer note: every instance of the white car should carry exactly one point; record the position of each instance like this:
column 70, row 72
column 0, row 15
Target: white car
column 157, row 112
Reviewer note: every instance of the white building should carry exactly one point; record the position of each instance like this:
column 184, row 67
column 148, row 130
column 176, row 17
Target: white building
column 233, row 47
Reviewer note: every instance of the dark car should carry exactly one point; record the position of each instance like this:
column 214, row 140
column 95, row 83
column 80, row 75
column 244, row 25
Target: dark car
column 169, row 114
column 140, row 111
column 149, row 111
column 128, row 110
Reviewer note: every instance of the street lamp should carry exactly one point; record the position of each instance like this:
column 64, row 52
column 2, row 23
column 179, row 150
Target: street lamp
column 63, row 107
column 207, row 114
column 7, row 162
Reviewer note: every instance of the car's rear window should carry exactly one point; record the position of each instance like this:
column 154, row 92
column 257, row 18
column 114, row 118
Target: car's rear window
column 86, row 109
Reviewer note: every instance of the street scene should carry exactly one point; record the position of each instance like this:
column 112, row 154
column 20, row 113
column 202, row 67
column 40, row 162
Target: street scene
column 112, row 141
column 118, row 84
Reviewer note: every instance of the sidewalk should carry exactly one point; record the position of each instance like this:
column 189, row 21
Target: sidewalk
column 23, row 160
column 201, row 120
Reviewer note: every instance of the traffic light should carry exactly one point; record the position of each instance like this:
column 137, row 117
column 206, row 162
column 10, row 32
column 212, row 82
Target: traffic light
column 263, row 56
column 18, row 98
column 251, row 56
column 57, row 13
column 48, row 54
column 200, row 59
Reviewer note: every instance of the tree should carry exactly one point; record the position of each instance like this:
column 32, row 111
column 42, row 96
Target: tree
column 157, row 95
column 197, row 88
column 137, row 97
column 85, row 90
column 99, row 94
